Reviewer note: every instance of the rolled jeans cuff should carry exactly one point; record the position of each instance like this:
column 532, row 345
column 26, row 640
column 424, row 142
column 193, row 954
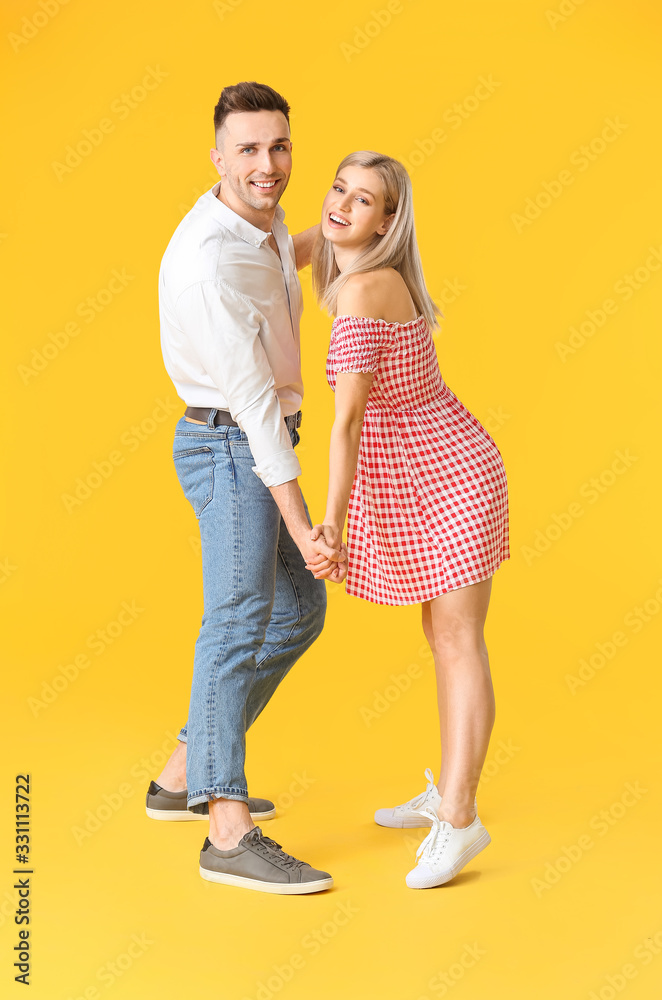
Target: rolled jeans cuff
column 198, row 801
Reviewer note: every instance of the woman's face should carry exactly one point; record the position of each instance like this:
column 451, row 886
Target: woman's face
column 353, row 210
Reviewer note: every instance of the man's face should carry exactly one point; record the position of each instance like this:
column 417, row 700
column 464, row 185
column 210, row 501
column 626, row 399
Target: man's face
column 254, row 158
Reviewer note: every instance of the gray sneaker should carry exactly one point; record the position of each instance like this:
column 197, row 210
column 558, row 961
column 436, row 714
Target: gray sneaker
column 161, row 804
column 258, row 862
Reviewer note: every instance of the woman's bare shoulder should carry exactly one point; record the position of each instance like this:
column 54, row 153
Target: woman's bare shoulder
column 380, row 294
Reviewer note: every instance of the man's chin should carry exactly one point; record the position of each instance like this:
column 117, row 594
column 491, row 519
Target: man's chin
column 262, row 201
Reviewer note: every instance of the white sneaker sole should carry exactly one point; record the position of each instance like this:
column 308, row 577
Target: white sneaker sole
column 280, row 888
column 186, row 816
column 442, row 877
column 410, row 822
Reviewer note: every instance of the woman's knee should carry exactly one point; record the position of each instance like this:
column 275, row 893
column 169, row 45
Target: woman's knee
column 458, row 635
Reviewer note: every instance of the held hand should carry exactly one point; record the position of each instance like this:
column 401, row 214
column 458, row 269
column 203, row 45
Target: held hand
column 339, row 572
column 317, row 551
column 322, row 567
column 331, row 532
column 327, row 569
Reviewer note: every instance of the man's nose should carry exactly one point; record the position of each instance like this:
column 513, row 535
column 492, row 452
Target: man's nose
column 266, row 164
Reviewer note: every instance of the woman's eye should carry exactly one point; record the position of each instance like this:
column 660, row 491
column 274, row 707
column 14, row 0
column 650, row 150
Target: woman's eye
column 336, row 187
column 363, row 200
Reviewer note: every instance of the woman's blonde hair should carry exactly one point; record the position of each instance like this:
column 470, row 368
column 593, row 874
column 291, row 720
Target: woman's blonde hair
column 397, row 248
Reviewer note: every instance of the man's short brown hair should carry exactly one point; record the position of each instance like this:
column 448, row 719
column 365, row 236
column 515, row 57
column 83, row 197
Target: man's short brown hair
column 248, row 96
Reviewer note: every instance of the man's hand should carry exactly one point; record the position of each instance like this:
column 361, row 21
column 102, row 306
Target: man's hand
column 318, row 553
column 331, row 532
column 290, row 503
column 324, row 568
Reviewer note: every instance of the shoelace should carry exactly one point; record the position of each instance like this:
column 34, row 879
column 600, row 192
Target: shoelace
column 269, row 847
column 416, row 802
column 433, row 846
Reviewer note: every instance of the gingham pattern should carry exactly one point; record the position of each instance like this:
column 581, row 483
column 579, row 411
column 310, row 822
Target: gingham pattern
column 428, row 512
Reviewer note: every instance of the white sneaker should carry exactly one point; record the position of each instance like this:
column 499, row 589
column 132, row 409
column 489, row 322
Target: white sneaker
column 410, row 814
column 445, row 851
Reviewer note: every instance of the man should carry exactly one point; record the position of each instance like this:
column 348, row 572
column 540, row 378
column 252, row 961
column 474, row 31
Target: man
column 230, row 303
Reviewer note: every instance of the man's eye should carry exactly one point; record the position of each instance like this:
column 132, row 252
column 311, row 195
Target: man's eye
column 279, row 147
column 247, row 148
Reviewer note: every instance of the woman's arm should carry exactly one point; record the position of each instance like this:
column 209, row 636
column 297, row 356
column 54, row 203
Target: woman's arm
column 361, row 295
column 303, row 245
column 352, row 390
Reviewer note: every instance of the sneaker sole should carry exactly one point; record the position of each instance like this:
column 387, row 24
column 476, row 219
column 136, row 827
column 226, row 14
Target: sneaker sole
column 186, row 816
column 463, row 860
column 280, row 888
column 404, row 824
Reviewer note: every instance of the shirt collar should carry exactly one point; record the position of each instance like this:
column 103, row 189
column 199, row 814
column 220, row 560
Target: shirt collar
column 240, row 227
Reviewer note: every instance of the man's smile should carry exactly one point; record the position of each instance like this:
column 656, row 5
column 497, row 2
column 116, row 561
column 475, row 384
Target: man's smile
column 265, row 185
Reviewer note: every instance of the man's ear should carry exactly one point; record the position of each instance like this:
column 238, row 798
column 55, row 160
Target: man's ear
column 217, row 160
column 385, row 225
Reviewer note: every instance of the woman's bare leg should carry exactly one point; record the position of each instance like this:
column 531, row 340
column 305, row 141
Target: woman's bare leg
column 466, row 696
column 441, row 697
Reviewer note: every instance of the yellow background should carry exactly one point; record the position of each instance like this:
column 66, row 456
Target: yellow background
column 559, row 423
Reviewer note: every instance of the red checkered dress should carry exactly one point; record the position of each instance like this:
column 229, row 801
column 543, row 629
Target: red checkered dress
column 428, row 512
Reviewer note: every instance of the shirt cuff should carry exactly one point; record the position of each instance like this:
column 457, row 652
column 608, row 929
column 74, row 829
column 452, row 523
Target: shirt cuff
column 278, row 469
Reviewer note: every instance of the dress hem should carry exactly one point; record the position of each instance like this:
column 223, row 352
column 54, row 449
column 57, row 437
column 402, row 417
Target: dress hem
column 423, row 600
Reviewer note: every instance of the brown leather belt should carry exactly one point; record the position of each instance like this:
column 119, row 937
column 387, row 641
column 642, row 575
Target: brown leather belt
column 223, row 417
column 202, row 413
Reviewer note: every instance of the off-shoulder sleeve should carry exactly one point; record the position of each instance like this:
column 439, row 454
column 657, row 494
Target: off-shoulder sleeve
column 359, row 344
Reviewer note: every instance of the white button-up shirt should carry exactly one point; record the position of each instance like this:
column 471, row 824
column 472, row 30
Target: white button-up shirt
column 230, row 312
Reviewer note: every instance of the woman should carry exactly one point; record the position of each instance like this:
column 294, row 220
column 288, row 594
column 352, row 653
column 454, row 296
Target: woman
column 421, row 482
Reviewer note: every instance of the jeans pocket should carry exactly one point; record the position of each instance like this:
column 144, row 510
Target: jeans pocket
column 195, row 471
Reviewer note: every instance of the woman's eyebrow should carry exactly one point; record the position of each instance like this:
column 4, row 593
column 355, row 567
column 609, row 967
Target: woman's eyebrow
column 365, row 190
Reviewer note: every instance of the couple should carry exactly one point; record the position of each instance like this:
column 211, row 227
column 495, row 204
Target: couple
column 419, row 480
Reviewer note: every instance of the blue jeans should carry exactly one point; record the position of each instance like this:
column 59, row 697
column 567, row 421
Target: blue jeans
column 262, row 607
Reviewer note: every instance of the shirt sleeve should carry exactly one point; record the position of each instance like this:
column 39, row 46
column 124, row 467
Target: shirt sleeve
column 224, row 328
column 359, row 347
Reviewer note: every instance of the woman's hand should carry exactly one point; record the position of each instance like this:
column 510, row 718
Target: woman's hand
column 328, row 569
column 332, row 534
column 316, row 552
